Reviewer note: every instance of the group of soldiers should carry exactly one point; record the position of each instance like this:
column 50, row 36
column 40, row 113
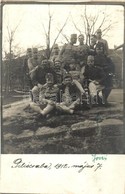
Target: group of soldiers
column 70, row 75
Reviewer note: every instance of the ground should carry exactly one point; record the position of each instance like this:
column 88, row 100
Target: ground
column 97, row 130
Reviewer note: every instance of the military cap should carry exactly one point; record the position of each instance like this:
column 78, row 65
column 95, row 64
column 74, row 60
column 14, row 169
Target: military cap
column 45, row 61
column 81, row 35
column 49, row 76
column 73, row 35
column 29, row 50
column 93, row 36
column 99, row 31
column 35, row 50
column 67, row 75
column 57, row 60
column 55, row 46
column 90, row 57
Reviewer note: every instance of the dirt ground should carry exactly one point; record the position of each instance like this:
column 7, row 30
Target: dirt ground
column 97, row 130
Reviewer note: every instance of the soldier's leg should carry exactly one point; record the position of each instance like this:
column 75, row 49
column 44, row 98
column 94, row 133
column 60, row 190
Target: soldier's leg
column 35, row 94
column 108, row 87
column 79, row 86
column 93, row 93
column 35, row 107
column 64, row 108
column 47, row 109
column 75, row 103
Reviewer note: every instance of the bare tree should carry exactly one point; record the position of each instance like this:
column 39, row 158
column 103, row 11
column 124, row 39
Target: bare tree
column 48, row 31
column 9, row 54
column 91, row 23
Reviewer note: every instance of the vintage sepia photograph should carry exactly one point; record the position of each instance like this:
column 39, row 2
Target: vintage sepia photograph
column 62, row 78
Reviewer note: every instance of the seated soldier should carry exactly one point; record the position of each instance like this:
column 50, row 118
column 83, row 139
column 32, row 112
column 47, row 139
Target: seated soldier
column 96, row 79
column 60, row 72
column 47, row 97
column 107, row 65
column 70, row 95
column 75, row 71
column 41, row 71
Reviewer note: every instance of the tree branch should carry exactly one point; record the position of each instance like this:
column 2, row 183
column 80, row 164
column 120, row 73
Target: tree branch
column 60, row 32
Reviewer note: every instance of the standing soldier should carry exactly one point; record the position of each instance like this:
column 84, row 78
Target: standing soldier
column 25, row 66
column 33, row 63
column 55, row 53
column 68, row 52
column 100, row 39
column 82, row 51
column 93, row 40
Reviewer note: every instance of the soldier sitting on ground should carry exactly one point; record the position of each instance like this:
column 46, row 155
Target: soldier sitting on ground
column 39, row 77
column 70, row 95
column 47, row 96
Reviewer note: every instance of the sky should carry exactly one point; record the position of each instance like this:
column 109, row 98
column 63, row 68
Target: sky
column 32, row 21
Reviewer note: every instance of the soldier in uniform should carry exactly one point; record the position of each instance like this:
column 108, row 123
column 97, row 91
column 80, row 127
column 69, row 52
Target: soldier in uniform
column 70, row 95
column 26, row 68
column 46, row 101
column 100, row 39
column 39, row 77
column 75, row 71
column 33, row 63
column 107, row 65
column 82, row 51
column 68, row 52
column 55, row 53
column 93, row 40
column 59, row 70
column 96, row 78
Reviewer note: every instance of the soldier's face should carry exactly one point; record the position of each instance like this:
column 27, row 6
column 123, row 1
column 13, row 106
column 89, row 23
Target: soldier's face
column 68, row 80
column 81, row 39
column 35, row 55
column 72, row 66
column 73, row 40
column 29, row 54
column 90, row 61
column 99, row 50
column 57, row 65
column 56, row 50
column 99, row 34
column 45, row 64
column 93, row 41
column 49, row 82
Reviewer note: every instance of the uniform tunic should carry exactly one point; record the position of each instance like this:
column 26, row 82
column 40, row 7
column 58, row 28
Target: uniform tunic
column 82, row 53
column 67, row 53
